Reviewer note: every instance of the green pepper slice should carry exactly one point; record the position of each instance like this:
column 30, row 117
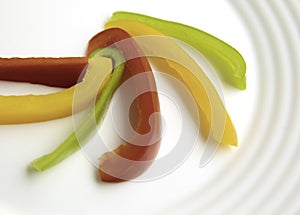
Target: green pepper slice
column 226, row 59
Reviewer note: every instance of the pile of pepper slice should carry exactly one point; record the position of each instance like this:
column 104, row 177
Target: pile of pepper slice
column 128, row 59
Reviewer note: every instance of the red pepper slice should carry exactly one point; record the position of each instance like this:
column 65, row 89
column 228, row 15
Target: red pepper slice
column 112, row 168
column 65, row 72
column 55, row 72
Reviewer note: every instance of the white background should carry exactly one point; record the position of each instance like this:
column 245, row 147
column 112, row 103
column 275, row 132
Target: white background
column 62, row 28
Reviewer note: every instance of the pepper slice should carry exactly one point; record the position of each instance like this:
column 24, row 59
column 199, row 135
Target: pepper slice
column 214, row 115
column 228, row 61
column 71, row 145
column 36, row 108
column 55, row 72
column 132, row 158
column 111, row 169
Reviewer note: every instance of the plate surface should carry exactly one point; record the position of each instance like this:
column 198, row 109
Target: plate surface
column 261, row 176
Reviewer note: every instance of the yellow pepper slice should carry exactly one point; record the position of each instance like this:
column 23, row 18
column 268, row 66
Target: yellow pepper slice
column 172, row 59
column 36, row 108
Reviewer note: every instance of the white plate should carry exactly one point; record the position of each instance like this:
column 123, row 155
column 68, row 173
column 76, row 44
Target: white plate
column 261, row 176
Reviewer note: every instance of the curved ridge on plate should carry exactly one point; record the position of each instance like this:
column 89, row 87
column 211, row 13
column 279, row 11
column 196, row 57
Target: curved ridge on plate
column 266, row 183
column 218, row 193
column 274, row 166
column 265, row 146
column 288, row 184
column 232, row 192
column 264, row 176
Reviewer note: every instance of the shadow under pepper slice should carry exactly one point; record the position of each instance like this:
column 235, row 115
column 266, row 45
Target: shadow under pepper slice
column 55, row 72
column 134, row 157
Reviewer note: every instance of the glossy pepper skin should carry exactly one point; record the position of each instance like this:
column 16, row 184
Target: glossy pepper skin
column 228, row 61
column 172, row 59
column 113, row 166
column 55, row 72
